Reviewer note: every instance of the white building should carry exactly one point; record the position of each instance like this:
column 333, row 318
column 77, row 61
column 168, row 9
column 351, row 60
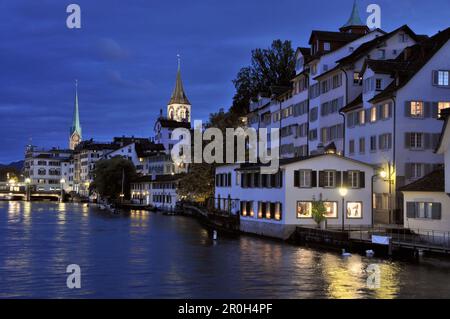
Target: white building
column 158, row 191
column 47, row 169
column 427, row 200
column 394, row 122
column 273, row 205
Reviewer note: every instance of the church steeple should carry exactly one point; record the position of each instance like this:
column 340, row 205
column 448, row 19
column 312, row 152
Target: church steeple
column 178, row 95
column 179, row 107
column 75, row 129
column 354, row 23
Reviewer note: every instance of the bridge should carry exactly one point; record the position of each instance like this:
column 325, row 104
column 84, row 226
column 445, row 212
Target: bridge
column 26, row 193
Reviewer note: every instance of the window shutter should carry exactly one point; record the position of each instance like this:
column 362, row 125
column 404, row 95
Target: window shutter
column 321, row 178
column 427, row 106
column 435, row 110
column 296, row 179
column 313, row 178
column 435, row 78
column 379, row 112
column 408, row 108
column 338, row 179
column 243, row 180
column 408, row 168
column 410, row 210
column 436, row 211
column 345, row 181
column 407, row 140
column 362, row 180
column 427, row 140
column 381, row 145
column 367, row 115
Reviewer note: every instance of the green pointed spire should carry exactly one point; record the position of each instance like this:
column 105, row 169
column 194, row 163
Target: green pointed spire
column 178, row 95
column 355, row 19
column 76, row 127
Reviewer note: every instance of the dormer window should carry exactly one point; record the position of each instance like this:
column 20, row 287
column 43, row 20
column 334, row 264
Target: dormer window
column 326, row 46
column 351, row 49
column 382, row 54
column 402, row 38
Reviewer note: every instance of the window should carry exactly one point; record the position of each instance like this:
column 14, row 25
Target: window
column 382, row 54
column 314, row 69
column 353, row 179
column 304, row 210
column 442, row 106
column 416, row 171
column 424, row 210
column 442, row 78
column 331, row 208
column 313, row 135
column 305, row 179
column 362, row 117
column 327, row 46
column 416, row 140
column 324, row 135
column 417, row 109
column 362, row 145
column 247, row 209
column 314, row 114
column 373, row 143
column 351, row 49
column 385, row 141
column 402, row 38
column 357, row 79
column 354, row 210
column 329, row 181
column 352, row 147
column 385, row 111
column 337, row 81
column 373, row 114
column 378, row 84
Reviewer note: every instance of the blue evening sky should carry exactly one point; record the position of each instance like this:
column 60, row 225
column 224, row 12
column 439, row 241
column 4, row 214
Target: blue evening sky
column 124, row 57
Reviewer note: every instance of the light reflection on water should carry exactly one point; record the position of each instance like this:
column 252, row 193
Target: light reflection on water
column 147, row 255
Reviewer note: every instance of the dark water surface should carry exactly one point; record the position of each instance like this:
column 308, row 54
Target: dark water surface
column 147, row 255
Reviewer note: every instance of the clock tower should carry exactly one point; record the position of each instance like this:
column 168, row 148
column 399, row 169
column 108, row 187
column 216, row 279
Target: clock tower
column 179, row 107
column 75, row 129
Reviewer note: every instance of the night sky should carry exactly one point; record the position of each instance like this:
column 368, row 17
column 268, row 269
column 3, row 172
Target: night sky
column 124, row 57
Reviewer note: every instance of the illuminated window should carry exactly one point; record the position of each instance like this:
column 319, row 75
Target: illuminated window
column 373, row 114
column 417, row 109
column 304, row 210
column 443, row 78
column 354, row 210
column 357, row 79
column 385, row 110
column 331, row 208
column 443, row 106
column 362, row 117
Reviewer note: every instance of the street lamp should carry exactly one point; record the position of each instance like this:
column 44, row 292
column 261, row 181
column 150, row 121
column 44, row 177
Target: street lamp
column 62, row 182
column 343, row 192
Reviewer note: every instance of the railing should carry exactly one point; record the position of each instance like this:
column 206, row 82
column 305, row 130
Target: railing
column 401, row 236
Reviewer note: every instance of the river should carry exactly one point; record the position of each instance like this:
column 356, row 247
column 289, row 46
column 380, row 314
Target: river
column 148, row 255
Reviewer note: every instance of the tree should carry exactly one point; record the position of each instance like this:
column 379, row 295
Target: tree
column 318, row 211
column 9, row 172
column 198, row 184
column 274, row 66
column 108, row 177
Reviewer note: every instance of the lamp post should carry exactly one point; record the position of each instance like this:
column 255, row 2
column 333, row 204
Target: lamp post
column 62, row 182
column 343, row 192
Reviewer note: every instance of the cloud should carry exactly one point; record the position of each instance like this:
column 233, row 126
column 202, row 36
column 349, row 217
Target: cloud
column 109, row 49
column 115, row 77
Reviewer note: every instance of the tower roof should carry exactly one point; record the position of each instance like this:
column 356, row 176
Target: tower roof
column 76, row 127
column 355, row 19
column 178, row 95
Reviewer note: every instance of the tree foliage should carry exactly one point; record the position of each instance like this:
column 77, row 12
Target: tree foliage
column 198, row 184
column 274, row 66
column 108, row 177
